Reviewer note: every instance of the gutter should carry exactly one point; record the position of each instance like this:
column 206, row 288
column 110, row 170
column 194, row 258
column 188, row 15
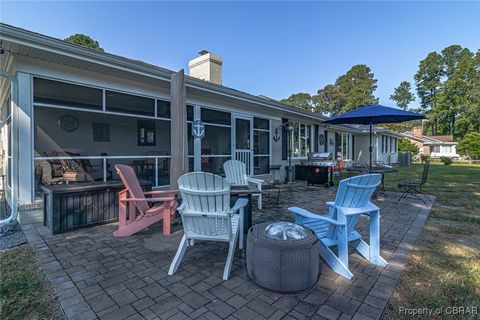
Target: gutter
column 14, row 93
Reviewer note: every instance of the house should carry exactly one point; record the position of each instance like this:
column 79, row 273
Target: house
column 72, row 113
column 433, row 146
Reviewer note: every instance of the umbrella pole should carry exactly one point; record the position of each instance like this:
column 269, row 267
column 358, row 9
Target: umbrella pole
column 370, row 148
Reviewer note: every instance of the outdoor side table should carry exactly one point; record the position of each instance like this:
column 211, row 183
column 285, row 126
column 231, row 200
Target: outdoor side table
column 284, row 266
column 244, row 192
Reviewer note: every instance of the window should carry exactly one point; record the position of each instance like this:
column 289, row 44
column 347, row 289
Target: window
column 66, row 94
column 447, row 149
column 436, row 149
column 301, row 140
column 216, row 145
column 146, row 133
column 140, row 143
column 190, row 113
column 128, row 103
column 261, row 124
column 385, row 144
column 261, row 146
column 393, row 145
column 163, row 109
column 345, row 146
column 216, row 117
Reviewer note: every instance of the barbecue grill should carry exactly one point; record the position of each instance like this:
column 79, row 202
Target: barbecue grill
column 323, row 159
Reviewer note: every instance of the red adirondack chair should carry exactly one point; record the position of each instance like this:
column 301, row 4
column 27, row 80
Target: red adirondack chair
column 136, row 211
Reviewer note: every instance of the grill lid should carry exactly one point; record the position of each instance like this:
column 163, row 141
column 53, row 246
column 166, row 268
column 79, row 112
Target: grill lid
column 283, row 230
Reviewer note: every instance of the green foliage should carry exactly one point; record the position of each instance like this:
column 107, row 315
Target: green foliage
column 405, row 145
column 350, row 91
column 24, row 291
column 448, row 85
column 403, row 95
column 446, row 160
column 84, row 41
column 300, row 100
column 424, row 158
column 469, row 145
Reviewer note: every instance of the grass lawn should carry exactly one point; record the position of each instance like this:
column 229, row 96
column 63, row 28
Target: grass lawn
column 24, row 291
column 444, row 269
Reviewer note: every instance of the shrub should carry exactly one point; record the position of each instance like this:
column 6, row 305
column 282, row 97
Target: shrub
column 446, row 160
column 470, row 146
column 424, row 157
column 405, row 145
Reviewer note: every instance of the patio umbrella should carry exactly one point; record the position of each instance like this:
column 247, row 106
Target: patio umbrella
column 374, row 114
column 178, row 137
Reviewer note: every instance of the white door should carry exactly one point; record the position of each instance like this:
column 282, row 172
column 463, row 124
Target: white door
column 242, row 140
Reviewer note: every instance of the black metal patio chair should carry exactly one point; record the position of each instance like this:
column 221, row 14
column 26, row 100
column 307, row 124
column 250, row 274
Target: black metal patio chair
column 414, row 188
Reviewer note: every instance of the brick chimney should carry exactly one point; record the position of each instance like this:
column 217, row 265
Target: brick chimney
column 207, row 66
column 417, row 132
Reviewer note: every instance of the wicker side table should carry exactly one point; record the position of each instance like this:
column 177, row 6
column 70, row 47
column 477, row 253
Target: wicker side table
column 284, row 266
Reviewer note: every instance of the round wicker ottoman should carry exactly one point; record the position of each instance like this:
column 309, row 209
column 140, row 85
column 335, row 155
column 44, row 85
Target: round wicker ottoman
column 284, row 266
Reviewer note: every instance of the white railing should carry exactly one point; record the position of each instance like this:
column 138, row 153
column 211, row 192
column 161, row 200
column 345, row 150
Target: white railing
column 246, row 157
column 105, row 165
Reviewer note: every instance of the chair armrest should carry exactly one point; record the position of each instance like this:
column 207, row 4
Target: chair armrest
column 164, row 199
column 256, row 181
column 309, row 215
column 161, row 192
column 331, row 208
column 180, row 207
column 239, row 204
column 231, row 181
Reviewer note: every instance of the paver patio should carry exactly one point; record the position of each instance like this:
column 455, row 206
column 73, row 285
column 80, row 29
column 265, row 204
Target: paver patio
column 98, row 276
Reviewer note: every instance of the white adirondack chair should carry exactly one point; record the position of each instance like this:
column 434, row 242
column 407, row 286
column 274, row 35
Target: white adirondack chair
column 206, row 215
column 337, row 227
column 236, row 174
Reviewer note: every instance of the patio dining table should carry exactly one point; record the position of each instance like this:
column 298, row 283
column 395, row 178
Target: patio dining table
column 375, row 169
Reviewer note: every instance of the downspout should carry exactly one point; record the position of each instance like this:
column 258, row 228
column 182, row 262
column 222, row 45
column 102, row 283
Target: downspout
column 14, row 99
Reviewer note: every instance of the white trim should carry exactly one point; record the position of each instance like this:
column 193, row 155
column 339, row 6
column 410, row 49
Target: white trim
column 197, row 142
column 230, row 109
column 100, row 157
column 99, row 87
column 55, row 106
column 215, row 156
column 249, row 118
column 217, row 125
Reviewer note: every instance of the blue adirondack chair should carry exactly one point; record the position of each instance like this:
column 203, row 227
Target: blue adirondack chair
column 337, row 228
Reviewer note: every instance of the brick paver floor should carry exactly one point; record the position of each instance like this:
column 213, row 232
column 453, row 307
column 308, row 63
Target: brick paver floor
column 98, row 276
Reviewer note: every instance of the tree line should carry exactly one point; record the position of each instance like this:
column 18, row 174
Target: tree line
column 447, row 85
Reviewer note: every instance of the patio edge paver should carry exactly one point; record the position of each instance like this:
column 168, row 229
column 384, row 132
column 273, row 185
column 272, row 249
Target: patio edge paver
column 399, row 259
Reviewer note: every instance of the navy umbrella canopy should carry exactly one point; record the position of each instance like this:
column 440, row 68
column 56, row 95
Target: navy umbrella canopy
column 374, row 114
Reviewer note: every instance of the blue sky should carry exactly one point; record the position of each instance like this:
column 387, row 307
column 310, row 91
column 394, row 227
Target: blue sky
column 270, row 48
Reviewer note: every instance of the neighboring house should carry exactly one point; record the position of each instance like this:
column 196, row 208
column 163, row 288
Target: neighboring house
column 70, row 112
column 384, row 143
column 433, row 146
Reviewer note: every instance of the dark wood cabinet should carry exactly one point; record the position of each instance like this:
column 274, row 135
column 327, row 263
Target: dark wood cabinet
column 72, row 206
